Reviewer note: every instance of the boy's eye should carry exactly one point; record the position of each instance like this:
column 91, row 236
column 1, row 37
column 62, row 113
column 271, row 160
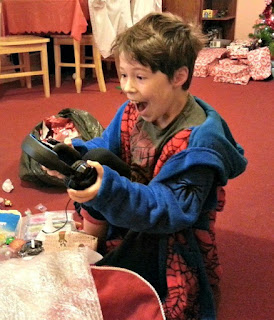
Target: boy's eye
column 123, row 75
column 140, row 78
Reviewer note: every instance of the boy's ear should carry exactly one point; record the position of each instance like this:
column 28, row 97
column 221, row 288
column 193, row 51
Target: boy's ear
column 180, row 76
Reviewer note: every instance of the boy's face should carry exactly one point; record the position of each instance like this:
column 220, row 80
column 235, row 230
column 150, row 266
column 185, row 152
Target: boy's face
column 154, row 95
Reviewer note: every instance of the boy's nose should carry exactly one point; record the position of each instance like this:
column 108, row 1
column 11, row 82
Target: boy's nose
column 128, row 86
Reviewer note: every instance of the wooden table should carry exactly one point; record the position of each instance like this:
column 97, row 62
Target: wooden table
column 47, row 17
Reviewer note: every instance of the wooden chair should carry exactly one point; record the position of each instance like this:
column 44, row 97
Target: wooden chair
column 80, row 62
column 23, row 45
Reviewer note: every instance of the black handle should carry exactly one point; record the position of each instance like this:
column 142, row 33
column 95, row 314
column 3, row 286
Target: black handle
column 84, row 176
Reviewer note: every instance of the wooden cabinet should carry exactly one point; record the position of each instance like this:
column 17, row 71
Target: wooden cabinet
column 192, row 10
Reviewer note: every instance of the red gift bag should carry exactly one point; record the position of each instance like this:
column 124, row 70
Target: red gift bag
column 124, row 295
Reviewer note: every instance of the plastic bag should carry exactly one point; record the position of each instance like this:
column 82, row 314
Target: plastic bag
column 87, row 126
column 50, row 286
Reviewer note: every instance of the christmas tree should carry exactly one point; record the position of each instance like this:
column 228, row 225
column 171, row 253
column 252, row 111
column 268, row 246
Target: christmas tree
column 264, row 28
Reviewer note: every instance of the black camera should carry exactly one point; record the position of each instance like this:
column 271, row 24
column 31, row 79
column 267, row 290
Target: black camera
column 62, row 158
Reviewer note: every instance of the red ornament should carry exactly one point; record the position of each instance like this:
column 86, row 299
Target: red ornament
column 270, row 21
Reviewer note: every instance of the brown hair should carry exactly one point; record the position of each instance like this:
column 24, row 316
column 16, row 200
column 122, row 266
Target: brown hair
column 163, row 42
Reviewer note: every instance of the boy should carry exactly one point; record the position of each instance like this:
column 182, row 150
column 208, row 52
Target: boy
column 179, row 152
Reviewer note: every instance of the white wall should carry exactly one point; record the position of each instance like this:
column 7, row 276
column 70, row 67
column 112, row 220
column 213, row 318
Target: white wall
column 247, row 13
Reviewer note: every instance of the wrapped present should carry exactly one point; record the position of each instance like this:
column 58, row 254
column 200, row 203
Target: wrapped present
column 212, row 68
column 242, row 43
column 260, row 63
column 200, row 70
column 237, row 51
column 243, row 61
column 237, row 74
column 206, row 59
column 227, row 63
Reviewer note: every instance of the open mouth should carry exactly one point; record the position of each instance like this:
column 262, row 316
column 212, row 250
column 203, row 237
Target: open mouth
column 140, row 106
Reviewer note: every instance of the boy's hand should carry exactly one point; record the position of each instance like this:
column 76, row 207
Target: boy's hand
column 53, row 173
column 68, row 142
column 91, row 192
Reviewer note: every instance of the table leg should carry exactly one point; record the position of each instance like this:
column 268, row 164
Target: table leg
column 83, row 60
column 26, row 62
column 57, row 61
column 45, row 69
column 21, row 63
column 98, row 68
column 78, row 80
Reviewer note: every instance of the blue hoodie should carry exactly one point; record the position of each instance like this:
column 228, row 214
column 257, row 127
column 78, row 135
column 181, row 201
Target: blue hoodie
column 211, row 145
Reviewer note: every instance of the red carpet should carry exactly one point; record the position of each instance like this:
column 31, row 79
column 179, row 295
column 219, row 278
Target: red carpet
column 244, row 229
